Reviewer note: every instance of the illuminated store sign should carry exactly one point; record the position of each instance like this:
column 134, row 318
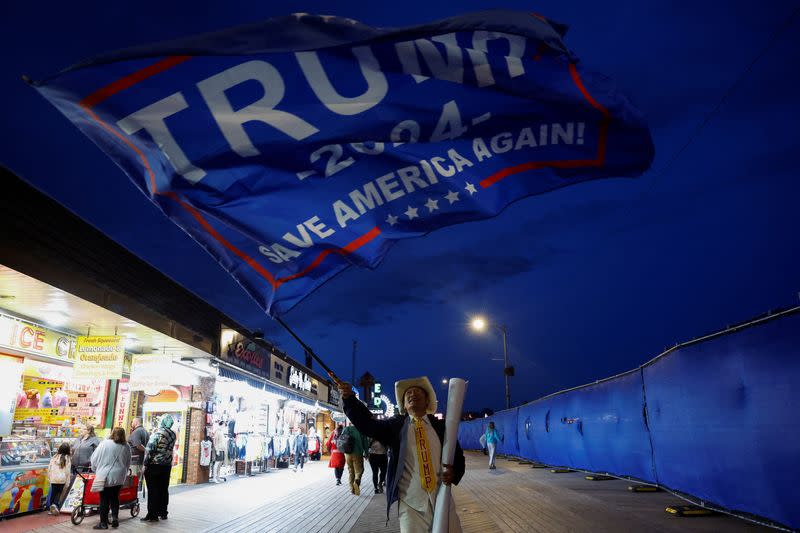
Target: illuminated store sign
column 382, row 405
column 244, row 353
column 32, row 338
column 299, row 380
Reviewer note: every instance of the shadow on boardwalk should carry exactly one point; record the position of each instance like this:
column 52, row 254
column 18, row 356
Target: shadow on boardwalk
column 513, row 498
column 518, row 498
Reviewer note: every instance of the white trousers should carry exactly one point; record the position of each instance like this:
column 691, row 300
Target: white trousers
column 491, row 447
column 413, row 521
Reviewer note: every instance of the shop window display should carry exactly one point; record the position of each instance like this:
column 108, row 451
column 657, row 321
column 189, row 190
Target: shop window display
column 23, row 473
column 47, row 408
column 240, row 430
column 47, row 396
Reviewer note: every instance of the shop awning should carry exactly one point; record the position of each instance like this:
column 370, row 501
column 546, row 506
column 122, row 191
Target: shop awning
column 230, row 373
column 286, row 393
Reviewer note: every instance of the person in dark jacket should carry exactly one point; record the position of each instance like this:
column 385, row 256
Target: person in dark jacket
column 158, row 458
column 378, row 460
column 300, row 448
column 137, row 441
column 415, row 439
column 83, row 447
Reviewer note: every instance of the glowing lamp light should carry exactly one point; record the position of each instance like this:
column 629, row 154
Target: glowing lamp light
column 227, row 337
column 478, row 323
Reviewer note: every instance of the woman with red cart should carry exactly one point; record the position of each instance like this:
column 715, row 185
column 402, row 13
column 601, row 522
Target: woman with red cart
column 110, row 462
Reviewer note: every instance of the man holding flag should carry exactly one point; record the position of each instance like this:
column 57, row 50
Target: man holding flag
column 415, row 439
column 293, row 148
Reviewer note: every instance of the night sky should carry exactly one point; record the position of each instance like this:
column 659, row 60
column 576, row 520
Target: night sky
column 590, row 280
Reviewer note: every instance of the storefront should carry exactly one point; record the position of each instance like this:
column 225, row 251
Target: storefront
column 43, row 407
column 315, row 401
column 65, row 364
column 244, row 412
column 261, row 400
column 160, row 387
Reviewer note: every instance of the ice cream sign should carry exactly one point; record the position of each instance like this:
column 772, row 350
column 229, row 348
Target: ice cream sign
column 33, row 338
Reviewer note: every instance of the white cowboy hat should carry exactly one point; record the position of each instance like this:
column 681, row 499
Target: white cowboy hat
column 400, row 388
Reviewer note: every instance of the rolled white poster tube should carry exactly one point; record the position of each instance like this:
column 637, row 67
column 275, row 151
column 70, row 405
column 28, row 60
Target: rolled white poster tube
column 455, row 403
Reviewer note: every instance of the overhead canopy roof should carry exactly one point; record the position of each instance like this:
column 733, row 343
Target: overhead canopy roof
column 44, row 240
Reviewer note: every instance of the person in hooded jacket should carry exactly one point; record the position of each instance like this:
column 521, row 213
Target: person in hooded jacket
column 157, row 468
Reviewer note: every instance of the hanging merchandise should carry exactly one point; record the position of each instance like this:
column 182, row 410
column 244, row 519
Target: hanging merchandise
column 314, row 445
column 205, row 453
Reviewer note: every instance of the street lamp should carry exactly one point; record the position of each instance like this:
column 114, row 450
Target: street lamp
column 480, row 324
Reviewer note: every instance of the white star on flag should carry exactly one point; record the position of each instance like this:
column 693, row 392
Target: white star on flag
column 471, row 189
column 411, row 213
column 392, row 220
column 452, row 197
column 432, row 205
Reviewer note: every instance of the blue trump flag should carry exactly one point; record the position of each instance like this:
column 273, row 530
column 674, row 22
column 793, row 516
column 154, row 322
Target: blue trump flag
column 292, row 148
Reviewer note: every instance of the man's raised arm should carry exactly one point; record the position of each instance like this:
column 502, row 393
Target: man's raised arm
column 360, row 416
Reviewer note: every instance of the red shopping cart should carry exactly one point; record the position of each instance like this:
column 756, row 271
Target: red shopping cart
column 90, row 501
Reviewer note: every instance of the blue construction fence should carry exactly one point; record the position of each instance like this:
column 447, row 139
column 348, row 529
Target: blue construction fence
column 715, row 420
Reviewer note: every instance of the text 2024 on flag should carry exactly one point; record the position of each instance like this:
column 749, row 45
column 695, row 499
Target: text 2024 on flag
column 293, row 148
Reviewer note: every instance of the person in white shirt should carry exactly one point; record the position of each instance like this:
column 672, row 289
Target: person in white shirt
column 414, row 438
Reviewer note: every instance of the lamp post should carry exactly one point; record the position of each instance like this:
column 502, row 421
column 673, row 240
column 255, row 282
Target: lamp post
column 480, row 324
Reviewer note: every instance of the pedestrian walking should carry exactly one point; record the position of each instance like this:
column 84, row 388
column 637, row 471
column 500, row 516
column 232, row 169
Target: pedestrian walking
column 377, row 463
column 137, row 441
column 492, row 438
column 415, row 439
column 59, row 472
column 337, row 460
column 110, row 462
column 314, row 445
column 83, row 447
column 157, row 468
column 354, row 445
column 300, row 449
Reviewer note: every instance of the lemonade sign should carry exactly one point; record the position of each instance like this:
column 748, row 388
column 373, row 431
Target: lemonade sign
column 99, row 357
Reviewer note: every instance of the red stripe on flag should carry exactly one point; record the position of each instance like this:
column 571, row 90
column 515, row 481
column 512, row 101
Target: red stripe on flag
column 599, row 161
column 222, row 240
column 130, row 80
column 348, row 249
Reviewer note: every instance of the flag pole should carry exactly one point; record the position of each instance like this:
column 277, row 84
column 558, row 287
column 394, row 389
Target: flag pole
column 308, row 350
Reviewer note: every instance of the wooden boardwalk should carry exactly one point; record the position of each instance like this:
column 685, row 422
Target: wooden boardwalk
column 513, row 498
column 518, row 498
column 323, row 508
